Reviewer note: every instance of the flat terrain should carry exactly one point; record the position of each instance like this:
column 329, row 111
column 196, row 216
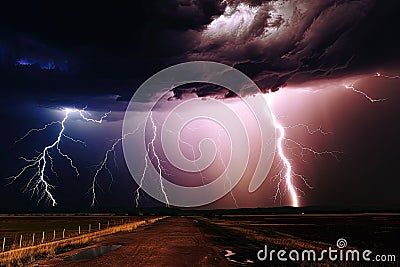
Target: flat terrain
column 13, row 226
column 206, row 241
column 246, row 234
column 174, row 241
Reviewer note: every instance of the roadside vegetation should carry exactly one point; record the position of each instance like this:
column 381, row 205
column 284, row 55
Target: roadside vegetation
column 28, row 254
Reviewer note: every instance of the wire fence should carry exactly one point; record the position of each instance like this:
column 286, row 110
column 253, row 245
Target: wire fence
column 24, row 239
column 29, row 248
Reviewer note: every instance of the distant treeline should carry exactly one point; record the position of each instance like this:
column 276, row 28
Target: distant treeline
column 162, row 211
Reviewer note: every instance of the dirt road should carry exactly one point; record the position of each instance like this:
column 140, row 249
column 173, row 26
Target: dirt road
column 175, row 241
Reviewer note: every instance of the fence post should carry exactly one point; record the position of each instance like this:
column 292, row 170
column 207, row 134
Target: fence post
column 90, row 226
column 79, row 230
column 99, row 226
column 4, row 243
column 64, row 233
column 54, row 234
column 42, row 237
column 20, row 242
column 33, row 239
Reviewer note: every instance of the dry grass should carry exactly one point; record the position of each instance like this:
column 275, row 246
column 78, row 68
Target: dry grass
column 28, row 254
column 278, row 239
column 281, row 240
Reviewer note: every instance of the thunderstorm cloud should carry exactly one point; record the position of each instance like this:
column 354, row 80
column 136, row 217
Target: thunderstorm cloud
column 110, row 50
column 72, row 54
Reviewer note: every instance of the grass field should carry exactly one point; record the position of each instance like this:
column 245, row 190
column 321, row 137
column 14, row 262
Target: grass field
column 246, row 234
column 34, row 250
column 12, row 227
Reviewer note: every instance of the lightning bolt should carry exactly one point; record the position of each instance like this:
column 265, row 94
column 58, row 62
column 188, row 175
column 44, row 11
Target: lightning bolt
column 103, row 166
column 103, row 163
column 39, row 182
column 225, row 167
column 150, row 148
column 159, row 166
column 146, row 165
column 372, row 100
column 386, row 76
column 309, row 130
column 286, row 174
column 111, row 153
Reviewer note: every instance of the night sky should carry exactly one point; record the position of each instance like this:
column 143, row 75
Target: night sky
column 304, row 54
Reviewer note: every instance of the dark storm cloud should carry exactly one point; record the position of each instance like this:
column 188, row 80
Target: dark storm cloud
column 300, row 40
column 96, row 48
column 200, row 90
column 57, row 54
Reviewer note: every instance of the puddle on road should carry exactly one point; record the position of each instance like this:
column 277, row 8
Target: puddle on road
column 229, row 253
column 233, row 257
column 92, row 253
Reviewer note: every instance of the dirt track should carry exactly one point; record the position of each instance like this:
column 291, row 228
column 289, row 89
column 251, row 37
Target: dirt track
column 175, row 241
